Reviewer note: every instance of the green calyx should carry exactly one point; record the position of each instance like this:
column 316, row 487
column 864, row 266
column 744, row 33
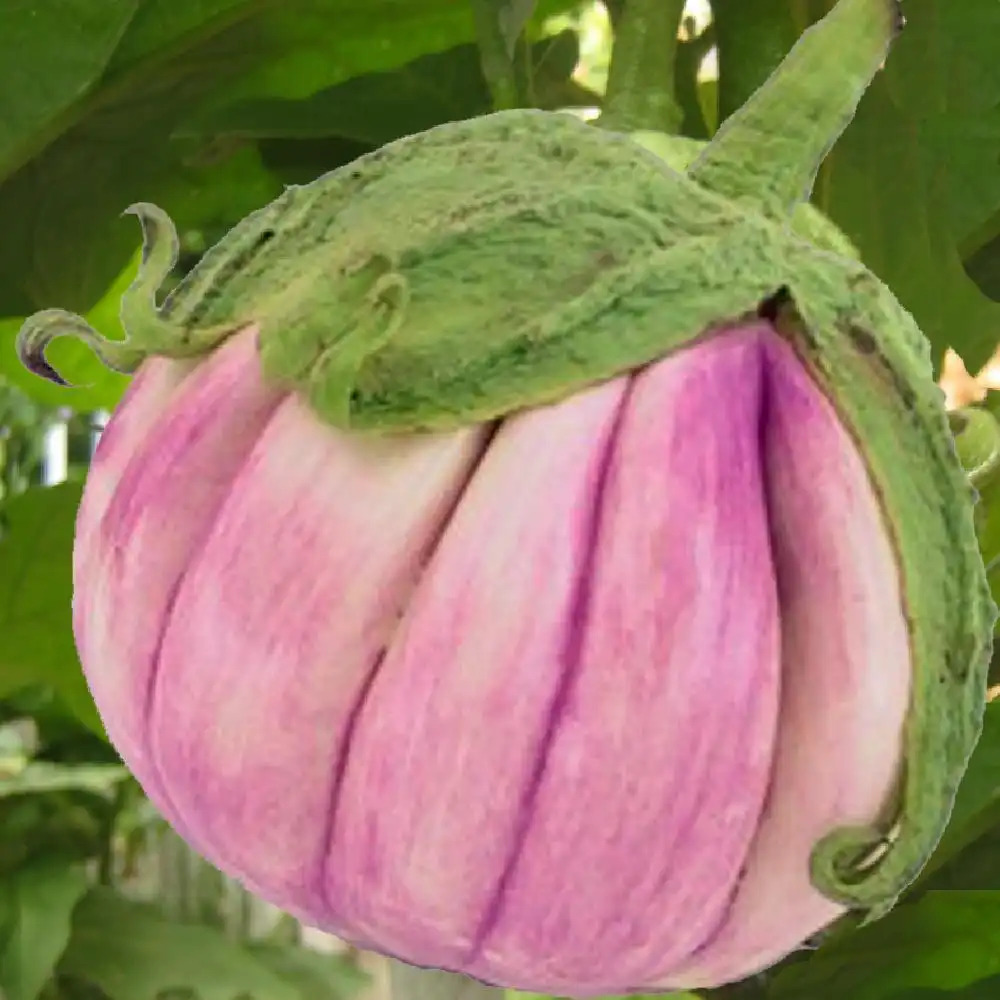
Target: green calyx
column 149, row 333
column 485, row 266
column 807, row 222
column 366, row 285
column 977, row 440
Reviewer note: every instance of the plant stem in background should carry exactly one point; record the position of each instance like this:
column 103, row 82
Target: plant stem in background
column 503, row 52
column 640, row 92
column 687, row 64
column 410, row 983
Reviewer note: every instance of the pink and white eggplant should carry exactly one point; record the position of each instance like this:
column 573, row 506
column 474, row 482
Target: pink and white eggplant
column 523, row 559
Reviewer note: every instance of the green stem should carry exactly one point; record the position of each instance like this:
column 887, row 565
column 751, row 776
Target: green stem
column 106, row 857
column 640, row 93
column 506, row 82
column 770, row 149
column 524, row 72
column 687, row 64
column 411, row 983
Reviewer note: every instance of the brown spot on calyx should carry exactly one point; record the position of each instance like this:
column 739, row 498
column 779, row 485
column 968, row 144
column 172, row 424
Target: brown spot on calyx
column 862, row 339
column 867, row 345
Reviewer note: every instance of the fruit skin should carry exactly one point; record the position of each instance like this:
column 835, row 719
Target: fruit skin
column 533, row 701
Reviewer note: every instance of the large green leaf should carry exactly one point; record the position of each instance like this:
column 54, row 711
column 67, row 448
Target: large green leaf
column 105, row 137
column 945, row 940
column 36, row 590
column 753, row 37
column 63, row 242
column 917, row 171
column 976, row 867
column 517, row 995
column 376, row 108
column 324, row 42
column 985, row 989
column 317, row 976
column 39, row 90
column 983, row 266
column 977, row 804
column 130, row 952
column 36, row 903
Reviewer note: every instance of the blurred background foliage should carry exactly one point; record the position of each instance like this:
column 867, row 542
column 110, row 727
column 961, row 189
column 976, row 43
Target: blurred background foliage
column 210, row 107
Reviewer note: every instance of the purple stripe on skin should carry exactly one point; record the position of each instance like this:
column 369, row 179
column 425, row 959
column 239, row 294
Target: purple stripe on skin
column 165, row 495
column 577, row 620
column 143, row 404
column 441, row 757
column 253, row 729
column 657, row 773
column 846, row 673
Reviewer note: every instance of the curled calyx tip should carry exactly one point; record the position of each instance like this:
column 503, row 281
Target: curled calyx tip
column 160, row 244
column 977, row 441
column 147, row 332
column 39, row 330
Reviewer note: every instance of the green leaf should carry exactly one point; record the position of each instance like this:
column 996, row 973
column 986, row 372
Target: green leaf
column 130, row 952
column 379, row 107
column 945, row 940
column 64, row 242
column 916, row 172
column 977, row 804
column 977, row 866
column 316, row 976
column 216, row 186
column 39, row 89
column 36, row 591
column 983, row 267
column 325, row 42
column 36, row 903
column 985, row 989
column 753, row 36
column 684, row 995
column 112, row 141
